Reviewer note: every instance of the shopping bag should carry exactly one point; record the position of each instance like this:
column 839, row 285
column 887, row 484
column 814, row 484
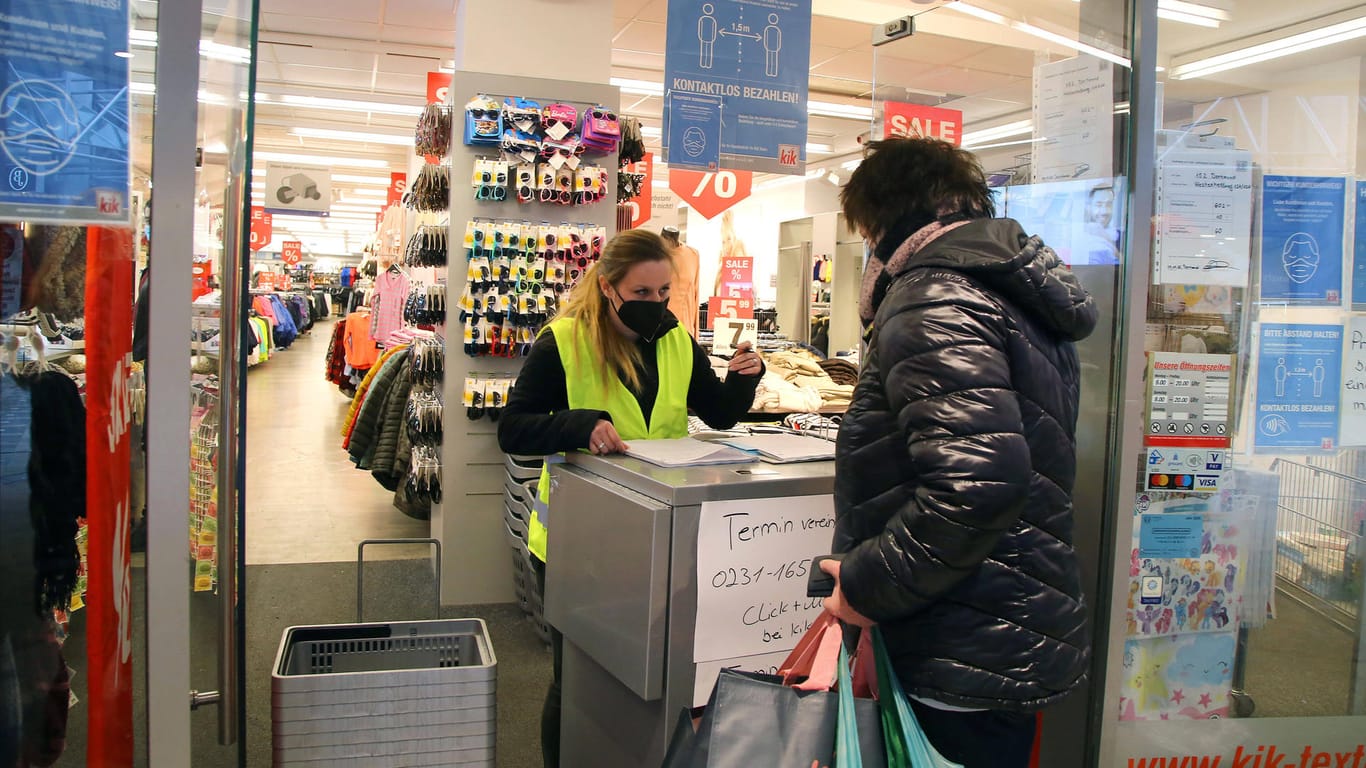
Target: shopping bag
column 906, row 744
column 789, row 719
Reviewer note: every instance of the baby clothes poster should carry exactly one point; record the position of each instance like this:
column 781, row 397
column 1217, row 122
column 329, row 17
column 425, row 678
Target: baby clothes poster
column 1184, row 589
column 1183, row 677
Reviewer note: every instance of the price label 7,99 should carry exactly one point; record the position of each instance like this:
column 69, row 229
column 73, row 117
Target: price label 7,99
column 731, row 332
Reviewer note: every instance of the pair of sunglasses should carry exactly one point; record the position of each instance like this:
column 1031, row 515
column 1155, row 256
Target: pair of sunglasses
column 491, row 193
column 603, row 114
column 484, row 113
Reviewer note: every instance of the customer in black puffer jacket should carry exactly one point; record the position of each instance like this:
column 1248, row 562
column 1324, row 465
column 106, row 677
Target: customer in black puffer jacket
column 956, row 461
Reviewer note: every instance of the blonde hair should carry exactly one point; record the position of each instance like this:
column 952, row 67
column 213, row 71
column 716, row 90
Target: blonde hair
column 589, row 306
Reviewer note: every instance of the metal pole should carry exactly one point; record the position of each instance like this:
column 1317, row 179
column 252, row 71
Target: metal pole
column 229, row 373
column 174, row 132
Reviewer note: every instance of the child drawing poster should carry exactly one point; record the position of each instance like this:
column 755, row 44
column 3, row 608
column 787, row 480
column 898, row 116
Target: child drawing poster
column 1183, row 677
column 1183, row 595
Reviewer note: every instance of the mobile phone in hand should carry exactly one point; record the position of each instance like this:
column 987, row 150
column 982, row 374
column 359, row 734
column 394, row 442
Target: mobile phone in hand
column 818, row 582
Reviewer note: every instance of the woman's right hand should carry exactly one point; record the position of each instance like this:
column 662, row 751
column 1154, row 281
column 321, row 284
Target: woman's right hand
column 605, row 439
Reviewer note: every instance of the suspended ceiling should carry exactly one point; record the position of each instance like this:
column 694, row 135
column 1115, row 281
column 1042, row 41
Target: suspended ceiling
column 369, row 51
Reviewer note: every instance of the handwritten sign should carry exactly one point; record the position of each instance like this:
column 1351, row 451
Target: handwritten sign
column 731, row 333
column 1203, row 232
column 753, row 558
column 707, row 672
column 1353, row 432
column 1073, row 119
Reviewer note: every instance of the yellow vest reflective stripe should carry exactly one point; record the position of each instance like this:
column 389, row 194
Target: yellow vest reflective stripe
column 591, row 386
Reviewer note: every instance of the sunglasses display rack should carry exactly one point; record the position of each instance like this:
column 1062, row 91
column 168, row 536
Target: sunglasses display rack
column 517, row 274
column 486, row 394
column 533, row 157
column 426, row 304
column 538, row 182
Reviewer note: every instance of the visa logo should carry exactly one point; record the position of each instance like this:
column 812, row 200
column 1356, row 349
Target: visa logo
column 1207, row 482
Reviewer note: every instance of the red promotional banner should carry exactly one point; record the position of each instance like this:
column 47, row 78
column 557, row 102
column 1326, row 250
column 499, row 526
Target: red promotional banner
column 109, row 408
column 710, row 193
column 398, row 184
column 927, row 122
column 291, row 252
column 642, row 203
column 739, row 307
column 438, row 87
column 262, row 227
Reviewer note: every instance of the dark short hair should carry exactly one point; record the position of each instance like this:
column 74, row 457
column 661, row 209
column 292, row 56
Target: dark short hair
column 913, row 178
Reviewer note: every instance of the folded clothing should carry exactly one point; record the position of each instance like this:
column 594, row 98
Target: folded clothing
column 840, row 371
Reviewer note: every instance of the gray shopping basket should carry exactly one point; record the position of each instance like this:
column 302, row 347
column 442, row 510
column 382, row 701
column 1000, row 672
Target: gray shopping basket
column 385, row 694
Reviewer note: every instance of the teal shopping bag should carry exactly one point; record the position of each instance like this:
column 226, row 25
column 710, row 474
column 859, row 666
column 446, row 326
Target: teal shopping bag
column 906, row 744
column 848, row 752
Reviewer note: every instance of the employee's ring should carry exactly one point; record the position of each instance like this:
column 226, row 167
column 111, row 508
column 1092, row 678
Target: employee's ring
column 601, row 446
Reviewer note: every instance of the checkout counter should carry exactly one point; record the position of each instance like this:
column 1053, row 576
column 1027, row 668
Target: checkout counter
column 625, row 578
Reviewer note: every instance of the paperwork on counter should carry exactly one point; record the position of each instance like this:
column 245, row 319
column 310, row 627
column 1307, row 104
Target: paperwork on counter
column 686, row 452
column 784, row 449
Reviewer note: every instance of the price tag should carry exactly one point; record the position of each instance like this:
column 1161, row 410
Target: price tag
column 731, row 332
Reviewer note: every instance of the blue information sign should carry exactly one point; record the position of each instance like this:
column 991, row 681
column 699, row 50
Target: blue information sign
column 755, row 55
column 1299, row 371
column 1359, row 251
column 1303, row 220
column 1174, row 536
column 694, row 131
column 64, row 111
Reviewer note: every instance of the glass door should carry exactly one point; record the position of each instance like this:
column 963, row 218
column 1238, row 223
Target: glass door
column 1039, row 92
column 1247, row 649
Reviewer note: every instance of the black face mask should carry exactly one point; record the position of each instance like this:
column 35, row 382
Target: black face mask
column 642, row 317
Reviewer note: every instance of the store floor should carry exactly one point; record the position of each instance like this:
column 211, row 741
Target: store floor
column 306, row 501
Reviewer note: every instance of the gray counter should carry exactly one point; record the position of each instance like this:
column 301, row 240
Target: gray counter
column 622, row 586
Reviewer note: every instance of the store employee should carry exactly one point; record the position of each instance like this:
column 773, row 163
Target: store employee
column 615, row 366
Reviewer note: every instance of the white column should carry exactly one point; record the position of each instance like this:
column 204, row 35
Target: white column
column 564, row 39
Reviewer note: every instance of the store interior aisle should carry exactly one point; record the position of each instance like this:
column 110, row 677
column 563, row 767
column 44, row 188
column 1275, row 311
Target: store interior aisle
column 306, row 501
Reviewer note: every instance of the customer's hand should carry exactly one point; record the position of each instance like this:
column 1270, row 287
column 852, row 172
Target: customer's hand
column 746, row 361
column 605, row 439
column 836, row 604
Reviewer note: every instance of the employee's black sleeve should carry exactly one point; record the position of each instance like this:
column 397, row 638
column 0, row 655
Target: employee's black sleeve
column 719, row 403
column 537, row 420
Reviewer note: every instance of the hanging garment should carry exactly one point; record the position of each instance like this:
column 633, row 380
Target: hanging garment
column 361, row 350
column 386, row 314
column 336, row 355
column 366, row 428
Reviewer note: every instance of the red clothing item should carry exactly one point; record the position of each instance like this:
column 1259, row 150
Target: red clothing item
column 361, row 350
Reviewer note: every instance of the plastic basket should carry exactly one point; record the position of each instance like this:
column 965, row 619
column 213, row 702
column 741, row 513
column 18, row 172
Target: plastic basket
column 377, row 693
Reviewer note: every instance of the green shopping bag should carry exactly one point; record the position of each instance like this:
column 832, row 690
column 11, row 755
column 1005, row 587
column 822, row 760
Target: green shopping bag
column 848, row 751
column 906, row 744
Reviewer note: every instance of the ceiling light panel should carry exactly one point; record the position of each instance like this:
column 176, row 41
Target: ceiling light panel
column 344, row 162
column 396, row 139
column 1308, row 40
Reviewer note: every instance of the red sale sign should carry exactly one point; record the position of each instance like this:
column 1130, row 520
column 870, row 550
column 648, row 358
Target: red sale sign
column 291, row 252
column 438, row 87
column 398, row 184
column 738, row 307
column 108, row 423
column 710, row 193
column 925, row 122
column 641, row 204
column 262, row 227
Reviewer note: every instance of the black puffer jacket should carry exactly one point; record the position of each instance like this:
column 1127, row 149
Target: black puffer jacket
column 955, row 470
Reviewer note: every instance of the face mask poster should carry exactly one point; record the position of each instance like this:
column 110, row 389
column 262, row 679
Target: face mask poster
column 1303, row 221
column 64, row 111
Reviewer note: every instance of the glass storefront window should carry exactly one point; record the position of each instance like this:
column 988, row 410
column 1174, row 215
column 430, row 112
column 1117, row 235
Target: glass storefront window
column 1238, row 594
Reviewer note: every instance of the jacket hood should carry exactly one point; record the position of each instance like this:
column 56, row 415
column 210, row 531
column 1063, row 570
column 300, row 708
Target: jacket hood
column 1029, row 274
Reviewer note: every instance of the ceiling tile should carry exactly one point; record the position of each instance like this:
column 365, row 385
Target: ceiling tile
column 329, row 10
column 402, row 64
column 900, row 72
column 852, row 66
column 319, row 57
column 628, row 9
column 932, row 48
column 309, row 25
column 642, row 36
column 655, row 10
column 435, row 35
column 823, row 53
column 839, row 33
column 1001, row 60
column 639, row 60
column 439, row 14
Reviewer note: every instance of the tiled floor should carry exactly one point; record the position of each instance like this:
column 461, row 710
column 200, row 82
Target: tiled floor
column 306, row 501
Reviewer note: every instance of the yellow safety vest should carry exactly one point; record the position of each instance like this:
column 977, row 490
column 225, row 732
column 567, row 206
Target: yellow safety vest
column 584, row 379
